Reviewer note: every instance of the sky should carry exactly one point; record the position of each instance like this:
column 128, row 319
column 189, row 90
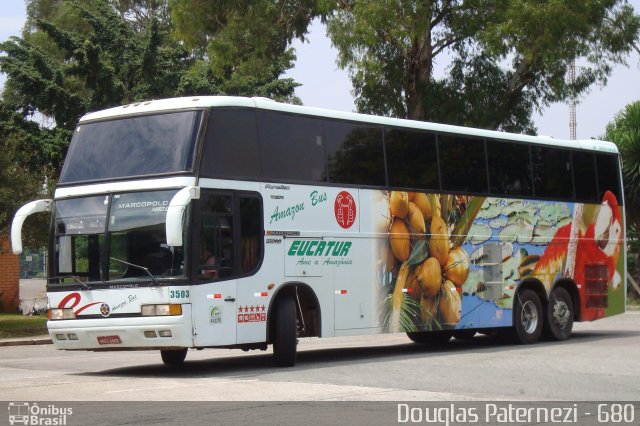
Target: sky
column 326, row 86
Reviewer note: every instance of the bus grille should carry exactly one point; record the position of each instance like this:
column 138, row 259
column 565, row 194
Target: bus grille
column 596, row 285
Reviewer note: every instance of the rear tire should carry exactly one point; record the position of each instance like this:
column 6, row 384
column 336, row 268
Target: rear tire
column 430, row 337
column 285, row 341
column 173, row 356
column 527, row 317
column 558, row 316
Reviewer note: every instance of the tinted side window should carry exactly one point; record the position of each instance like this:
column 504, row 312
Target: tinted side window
column 509, row 168
column 250, row 233
column 216, row 237
column 608, row 175
column 291, row 147
column 230, row 235
column 231, row 145
column 584, row 176
column 355, row 153
column 412, row 159
column 552, row 176
column 462, row 164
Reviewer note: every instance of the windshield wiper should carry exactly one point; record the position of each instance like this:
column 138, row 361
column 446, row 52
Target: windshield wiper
column 75, row 278
column 139, row 267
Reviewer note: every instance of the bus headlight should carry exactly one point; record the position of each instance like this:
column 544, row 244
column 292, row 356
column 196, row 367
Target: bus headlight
column 61, row 314
column 161, row 310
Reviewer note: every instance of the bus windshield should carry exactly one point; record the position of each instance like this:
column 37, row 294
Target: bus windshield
column 132, row 146
column 118, row 237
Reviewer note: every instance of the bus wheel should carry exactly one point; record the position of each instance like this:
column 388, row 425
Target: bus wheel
column 430, row 337
column 173, row 356
column 527, row 317
column 464, row 334
column 558, row 318
column 285, row 340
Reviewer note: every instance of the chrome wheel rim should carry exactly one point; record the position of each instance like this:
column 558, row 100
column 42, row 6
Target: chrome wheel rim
column 561, row 313
column 529, row 317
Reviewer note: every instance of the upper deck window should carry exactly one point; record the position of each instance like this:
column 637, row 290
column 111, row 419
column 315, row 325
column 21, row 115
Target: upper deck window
column 291, row 147
column 132, row 146
column 463, row 165
column 412, row 159
column 355, row 153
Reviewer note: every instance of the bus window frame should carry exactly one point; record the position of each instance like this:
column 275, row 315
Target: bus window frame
column 384, row 128
column 195, row 154
column 196, row 227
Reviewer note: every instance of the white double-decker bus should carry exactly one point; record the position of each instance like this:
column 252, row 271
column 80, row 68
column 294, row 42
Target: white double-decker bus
column 235, row 222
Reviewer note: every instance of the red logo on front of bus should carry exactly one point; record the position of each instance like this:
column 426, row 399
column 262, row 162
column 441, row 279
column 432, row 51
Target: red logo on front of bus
column 345, row 209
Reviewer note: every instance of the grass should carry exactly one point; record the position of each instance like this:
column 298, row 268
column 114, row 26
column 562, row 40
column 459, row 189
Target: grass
column 12, row 325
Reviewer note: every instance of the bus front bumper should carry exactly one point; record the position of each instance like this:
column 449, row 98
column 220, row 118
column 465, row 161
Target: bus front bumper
column 124, row 333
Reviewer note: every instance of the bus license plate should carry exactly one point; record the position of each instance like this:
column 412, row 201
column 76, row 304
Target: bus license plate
column 109, row 340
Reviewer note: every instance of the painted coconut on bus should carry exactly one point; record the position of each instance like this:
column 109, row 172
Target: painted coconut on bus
column 455, row 261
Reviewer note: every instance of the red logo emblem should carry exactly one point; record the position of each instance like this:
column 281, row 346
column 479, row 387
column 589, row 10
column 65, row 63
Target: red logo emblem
column 345, row 209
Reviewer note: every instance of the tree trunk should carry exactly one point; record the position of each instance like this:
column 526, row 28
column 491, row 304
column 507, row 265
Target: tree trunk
column 419, row 64
column 419, row 69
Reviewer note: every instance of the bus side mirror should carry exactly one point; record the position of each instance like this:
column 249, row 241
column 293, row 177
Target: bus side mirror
column 175, row 214
column 22, row 213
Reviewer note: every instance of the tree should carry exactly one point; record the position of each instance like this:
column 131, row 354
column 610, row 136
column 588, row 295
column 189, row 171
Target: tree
column 17, row 182
column 85, row 57
column 79, row 56
column 76, row 56
column 505, row 59
column 515, row 54
column 243, row 44
column 624, row 131
column 242, row 38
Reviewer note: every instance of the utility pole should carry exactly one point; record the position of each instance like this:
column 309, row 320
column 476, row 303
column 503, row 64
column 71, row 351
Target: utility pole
column 572, row 102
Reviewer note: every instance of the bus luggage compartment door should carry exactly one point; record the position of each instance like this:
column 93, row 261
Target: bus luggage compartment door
column 214, row 313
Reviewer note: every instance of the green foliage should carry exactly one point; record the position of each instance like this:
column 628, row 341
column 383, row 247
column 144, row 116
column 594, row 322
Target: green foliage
column 243, row 38
column 77, row 56
column 624, row 131
column 84, row 57
column 473, row 95
column 541, row 40
column 506, row 58
column 18, row 183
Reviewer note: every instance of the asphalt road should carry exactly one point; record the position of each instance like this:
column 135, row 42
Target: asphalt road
column 599, row 362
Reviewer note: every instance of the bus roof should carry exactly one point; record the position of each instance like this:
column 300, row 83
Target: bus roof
column 184, row 103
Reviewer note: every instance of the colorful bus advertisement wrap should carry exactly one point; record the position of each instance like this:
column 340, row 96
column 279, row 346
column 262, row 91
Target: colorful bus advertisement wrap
column 456, row 261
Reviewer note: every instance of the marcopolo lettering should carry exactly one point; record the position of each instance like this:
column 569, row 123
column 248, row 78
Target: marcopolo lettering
column 319, row 248
column 155, row 206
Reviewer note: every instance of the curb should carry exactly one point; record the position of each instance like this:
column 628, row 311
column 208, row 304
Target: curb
column 26, row 341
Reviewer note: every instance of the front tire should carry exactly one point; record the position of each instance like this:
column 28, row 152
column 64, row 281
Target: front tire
column 285, row 341
column 173, row 356
column 558, row 318
column 527, row 317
